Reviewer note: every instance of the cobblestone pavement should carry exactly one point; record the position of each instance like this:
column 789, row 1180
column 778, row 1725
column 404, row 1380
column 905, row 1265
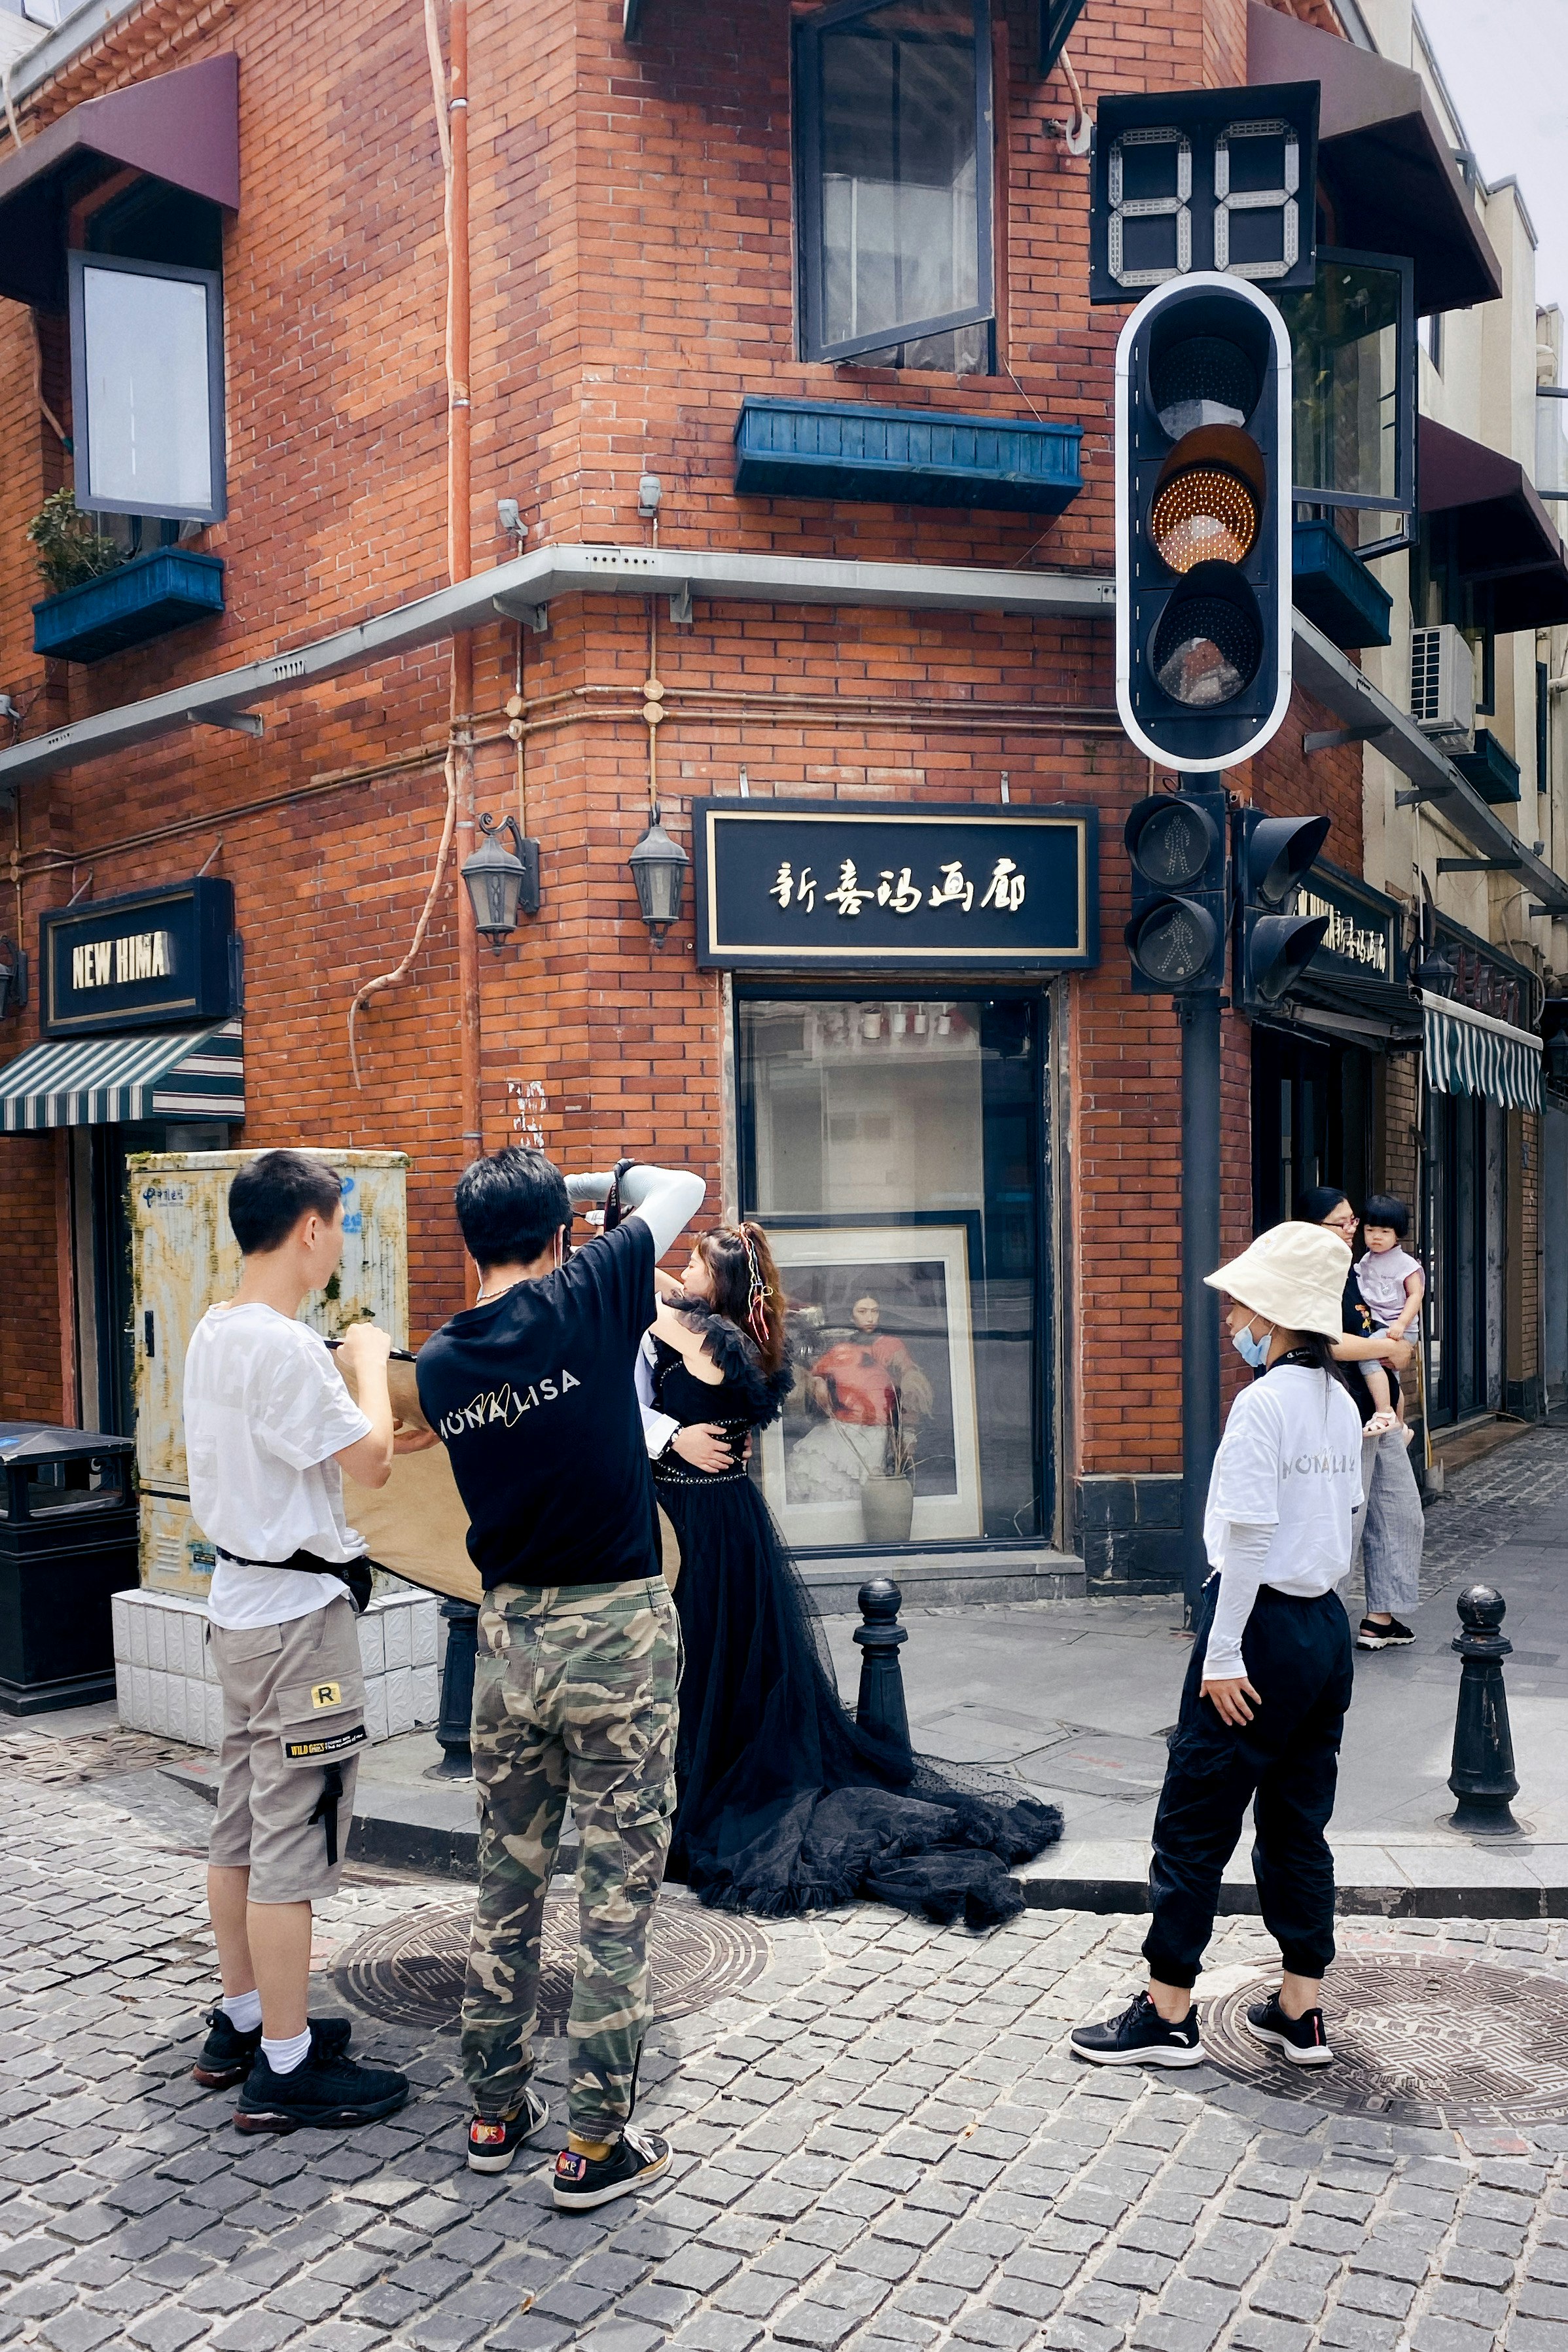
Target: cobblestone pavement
column 882, row 2141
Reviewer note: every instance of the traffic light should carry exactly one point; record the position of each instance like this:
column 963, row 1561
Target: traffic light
column 1273, row 944
column 1203, row 522
column 1177, row 935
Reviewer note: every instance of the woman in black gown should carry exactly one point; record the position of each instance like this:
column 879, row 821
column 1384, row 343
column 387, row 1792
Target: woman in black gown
column 785, row 1804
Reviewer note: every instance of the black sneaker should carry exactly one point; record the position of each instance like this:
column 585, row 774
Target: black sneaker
column 581, row 2182
column 494, row 2140
column 1370, row 1635
column 325, row 2091
column 1141, row 2037
column 227, row 2055
column 1303, row 2040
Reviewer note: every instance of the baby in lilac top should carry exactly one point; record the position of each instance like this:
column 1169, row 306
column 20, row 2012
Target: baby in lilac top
column 1391, row 1281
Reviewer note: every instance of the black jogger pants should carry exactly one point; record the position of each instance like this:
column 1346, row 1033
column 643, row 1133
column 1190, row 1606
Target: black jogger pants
column 1286, row 1761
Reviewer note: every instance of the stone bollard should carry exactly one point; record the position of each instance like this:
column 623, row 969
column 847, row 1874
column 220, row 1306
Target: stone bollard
column 457, row 1693
column 1483, row 1776
column 880, row 1705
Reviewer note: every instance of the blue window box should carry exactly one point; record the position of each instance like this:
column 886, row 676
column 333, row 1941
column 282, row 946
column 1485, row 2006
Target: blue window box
column 1336, row 591
column 166, row 589
column 1489, row 768
column 904, row 456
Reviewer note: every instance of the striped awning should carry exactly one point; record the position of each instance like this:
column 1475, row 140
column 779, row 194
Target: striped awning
column 110, row 1081
column 1470, row 1054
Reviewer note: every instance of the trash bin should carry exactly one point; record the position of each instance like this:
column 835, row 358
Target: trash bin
column 68, row 1543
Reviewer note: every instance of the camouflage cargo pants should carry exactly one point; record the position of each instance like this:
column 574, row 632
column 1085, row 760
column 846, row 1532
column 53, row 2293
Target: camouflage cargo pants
column 575, row 1692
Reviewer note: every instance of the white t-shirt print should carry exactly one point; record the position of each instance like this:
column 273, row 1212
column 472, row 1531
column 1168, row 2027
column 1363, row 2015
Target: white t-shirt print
column 265, row 1410
column 1289, row 1460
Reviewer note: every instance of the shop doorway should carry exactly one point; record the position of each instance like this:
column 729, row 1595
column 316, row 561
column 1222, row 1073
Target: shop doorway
column 1311, row 1121
column 1467, row 1247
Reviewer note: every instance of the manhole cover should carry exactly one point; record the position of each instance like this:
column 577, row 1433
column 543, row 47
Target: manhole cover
column 411, row 1973
column 1433, row 2040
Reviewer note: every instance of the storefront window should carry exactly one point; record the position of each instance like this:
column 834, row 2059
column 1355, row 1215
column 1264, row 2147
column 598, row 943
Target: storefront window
column 893, row 1150
column 1354, row 409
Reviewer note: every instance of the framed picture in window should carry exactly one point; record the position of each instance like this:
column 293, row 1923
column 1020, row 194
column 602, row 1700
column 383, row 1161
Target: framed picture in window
column 879, row 1323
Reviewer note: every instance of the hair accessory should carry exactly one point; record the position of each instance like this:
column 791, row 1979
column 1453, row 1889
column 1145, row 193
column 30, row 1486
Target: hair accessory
column 758, row 1292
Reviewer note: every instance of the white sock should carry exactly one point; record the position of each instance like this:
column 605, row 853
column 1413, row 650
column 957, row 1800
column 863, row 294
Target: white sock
column 285, row 2055
column 243, row 2010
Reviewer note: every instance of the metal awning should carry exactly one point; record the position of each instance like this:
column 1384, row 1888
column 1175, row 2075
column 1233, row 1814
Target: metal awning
column 1382, row 159
column 1470, row 1054
column 110, row 1081
column 182, row 127
column 1503, row 536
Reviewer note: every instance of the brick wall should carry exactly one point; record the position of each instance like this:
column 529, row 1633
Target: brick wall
column 632, row 279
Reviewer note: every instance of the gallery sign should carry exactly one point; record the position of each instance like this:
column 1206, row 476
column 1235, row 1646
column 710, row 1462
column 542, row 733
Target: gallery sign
column 1361, row 939
column 841, row 885
column 151, row 958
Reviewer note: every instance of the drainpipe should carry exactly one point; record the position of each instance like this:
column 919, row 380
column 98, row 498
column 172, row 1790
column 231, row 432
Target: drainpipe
column 460, row 564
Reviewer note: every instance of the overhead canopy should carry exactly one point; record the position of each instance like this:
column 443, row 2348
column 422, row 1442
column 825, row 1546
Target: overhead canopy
column 1502, row 534
column 181, row 127
column 1470, row 1054
column 1383, row 158
column 178, row 1074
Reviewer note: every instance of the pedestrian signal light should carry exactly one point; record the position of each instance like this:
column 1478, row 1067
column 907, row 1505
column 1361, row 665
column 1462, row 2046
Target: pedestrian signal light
column 1176, row 938
column 1203, row 522
column 1274, row 945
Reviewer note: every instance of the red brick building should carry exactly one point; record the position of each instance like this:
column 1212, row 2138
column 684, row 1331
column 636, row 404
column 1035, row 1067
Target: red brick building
column 650, row 218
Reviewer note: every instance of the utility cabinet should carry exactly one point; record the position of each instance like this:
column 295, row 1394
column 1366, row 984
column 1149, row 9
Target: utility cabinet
column 184, row 1259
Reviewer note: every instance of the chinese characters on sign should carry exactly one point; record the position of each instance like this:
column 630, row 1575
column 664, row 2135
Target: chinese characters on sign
column 1356, row 942
column 813, row 886
column 1004, row 891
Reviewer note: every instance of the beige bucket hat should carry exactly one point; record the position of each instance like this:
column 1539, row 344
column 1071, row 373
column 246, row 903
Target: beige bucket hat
column 1294, row 1274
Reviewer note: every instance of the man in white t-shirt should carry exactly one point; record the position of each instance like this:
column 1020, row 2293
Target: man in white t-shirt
column 268, row 1422
column 1271, row 1671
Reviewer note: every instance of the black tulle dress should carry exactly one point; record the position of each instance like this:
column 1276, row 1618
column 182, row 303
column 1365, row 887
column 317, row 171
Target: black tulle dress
column 785, row 1805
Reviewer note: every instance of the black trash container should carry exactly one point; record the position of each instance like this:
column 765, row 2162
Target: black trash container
column 68, row 1543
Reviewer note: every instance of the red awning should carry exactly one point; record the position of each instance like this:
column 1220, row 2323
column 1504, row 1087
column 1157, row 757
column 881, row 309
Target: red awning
column 1383, row 159
column 182, row 127
column 1502, row 535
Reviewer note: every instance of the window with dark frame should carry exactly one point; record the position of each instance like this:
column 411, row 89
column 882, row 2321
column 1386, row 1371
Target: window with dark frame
column 1353, row 339
column 147, row 387
column 895, row 162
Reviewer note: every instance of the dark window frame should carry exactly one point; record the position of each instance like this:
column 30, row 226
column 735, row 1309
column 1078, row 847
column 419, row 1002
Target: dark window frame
column 808, row 170
column 885, row 988
column 1407, row 388
column 215, row 511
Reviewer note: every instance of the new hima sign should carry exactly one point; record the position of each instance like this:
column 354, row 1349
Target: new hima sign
column 146, row 959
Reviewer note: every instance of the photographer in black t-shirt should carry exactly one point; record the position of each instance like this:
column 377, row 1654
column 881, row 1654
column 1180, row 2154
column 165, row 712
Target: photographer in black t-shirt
column 531, row 1392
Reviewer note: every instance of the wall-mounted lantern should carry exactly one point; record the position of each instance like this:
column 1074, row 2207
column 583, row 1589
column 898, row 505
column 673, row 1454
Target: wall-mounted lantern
column 503, row 883
column 659, row 869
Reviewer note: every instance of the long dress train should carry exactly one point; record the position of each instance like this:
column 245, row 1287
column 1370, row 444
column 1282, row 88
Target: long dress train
column 785, row 1804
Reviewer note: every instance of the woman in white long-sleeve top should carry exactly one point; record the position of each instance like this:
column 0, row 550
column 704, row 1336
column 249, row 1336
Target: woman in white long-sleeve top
column 1270, row 1676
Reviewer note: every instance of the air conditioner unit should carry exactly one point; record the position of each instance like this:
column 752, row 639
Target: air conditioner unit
column 1443, row 685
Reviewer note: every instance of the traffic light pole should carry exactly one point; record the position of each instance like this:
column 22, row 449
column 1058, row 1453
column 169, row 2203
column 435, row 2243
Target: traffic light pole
column 1198, row 1013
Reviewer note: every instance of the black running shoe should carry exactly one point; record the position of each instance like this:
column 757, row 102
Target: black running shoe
column 1303, row 2040
column 1141, row 2037
column 1370, row 1635
column 494, row 2140
column 325, row 2091
column 581, row 2182
column 228, row 2054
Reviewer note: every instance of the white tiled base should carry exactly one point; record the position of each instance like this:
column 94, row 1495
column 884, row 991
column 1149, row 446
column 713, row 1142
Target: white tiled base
column 165, row 1681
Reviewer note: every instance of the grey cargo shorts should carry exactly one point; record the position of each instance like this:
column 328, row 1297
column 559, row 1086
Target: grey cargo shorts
column 293, row 1726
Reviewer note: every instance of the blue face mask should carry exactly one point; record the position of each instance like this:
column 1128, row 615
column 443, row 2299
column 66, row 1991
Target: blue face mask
column 1252, row 1351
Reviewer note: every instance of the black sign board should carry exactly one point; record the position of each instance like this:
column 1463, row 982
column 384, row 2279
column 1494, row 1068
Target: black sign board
column 1363, row 938
column 150, row 959
column 840, row 885
column 1204, row 179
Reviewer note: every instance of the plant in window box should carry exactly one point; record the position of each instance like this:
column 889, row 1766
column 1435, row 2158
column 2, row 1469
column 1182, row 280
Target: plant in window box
column 71, row 548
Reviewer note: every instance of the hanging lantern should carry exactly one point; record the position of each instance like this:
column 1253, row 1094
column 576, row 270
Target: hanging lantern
column 659, row 869
column 501, row 882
